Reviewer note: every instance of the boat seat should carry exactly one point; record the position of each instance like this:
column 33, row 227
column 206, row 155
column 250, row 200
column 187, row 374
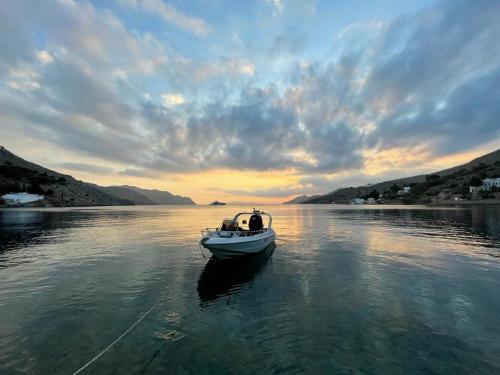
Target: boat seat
column 227, row 224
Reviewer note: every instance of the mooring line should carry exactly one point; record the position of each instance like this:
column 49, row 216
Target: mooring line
column 130, row 328
column 117, row 339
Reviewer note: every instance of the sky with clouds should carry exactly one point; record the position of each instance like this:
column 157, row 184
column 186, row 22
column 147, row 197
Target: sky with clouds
column 249, row 100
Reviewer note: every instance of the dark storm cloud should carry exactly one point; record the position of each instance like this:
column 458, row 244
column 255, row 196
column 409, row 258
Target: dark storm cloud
column 253, row 134
column 430, row 80
column 70, row 131
column 14, row 45
column 68, row 89
column 441, row 85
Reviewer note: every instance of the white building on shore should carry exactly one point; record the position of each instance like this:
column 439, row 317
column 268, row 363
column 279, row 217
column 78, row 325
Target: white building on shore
column 405, row 190
column 358, row 201
column 489, row 183
column 21, row 198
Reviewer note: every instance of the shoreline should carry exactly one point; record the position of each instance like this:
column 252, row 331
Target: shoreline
column 482, row 202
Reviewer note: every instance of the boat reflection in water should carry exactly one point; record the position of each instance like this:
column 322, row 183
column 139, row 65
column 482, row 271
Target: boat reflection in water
column 224, row 277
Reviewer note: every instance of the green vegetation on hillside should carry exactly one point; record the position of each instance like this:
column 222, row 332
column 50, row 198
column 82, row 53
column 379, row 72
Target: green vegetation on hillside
column 17, row 179
column 447, row 185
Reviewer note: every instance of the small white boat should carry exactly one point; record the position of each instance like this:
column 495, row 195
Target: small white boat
column 231, row 240
column 217, row 203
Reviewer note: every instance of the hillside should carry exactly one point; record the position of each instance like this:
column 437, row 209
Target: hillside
column 300, row 199
column 17, row 174
column 161, row 197
column 441, row 185
column 127, row 194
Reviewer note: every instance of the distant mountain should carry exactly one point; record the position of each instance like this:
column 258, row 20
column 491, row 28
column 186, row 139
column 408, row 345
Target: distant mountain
column 448, row 181
column 17, row 174
column 127, row 194
column 300, row 199
column 161, row 197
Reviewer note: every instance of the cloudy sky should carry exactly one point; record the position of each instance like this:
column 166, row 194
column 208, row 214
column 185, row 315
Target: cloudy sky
column 249, row 100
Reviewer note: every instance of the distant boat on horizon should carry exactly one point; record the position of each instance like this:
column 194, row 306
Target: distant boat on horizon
column 217, row 203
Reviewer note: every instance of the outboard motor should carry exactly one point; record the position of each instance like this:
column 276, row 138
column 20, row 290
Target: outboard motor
column 255, row 223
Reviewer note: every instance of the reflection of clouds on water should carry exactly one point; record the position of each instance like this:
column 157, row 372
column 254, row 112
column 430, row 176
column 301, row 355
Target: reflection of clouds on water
column 18, row 217
column 20, row 229
column 414, row 266
column 472, row 226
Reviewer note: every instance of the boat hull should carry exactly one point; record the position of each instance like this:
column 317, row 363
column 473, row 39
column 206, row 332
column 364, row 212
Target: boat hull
column 225, row 248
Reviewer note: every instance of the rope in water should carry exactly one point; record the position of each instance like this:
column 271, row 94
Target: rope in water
column 117, row 339
column 128, row 329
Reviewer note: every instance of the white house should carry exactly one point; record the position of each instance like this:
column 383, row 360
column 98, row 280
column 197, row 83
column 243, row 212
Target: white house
column 404, row 190
column 488, row 183
column 358, row 201
column 20, row 198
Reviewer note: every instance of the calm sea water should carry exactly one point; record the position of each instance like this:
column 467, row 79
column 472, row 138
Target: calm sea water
column 379, row 290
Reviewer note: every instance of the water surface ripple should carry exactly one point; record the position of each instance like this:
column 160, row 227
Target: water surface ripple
column 378, row 290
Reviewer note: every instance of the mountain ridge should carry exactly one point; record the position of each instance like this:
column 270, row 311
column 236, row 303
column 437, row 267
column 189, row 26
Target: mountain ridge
column 300, row 199
column 344, row 195
column 159, row 196
column 61, row 190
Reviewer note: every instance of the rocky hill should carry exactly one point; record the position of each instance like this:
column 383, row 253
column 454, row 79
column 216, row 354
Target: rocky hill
column 161, row 197
column 147, row 197
column 300, row 199
column 17, row 174
column 429, row 188
column 126, row 194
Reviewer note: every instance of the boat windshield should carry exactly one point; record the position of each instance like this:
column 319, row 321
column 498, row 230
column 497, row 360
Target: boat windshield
column 245, row 223
column 242, row 225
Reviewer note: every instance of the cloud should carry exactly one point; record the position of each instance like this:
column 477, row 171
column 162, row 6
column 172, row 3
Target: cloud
column 277, row 5
column 171, row 15
column 440, row 81
column 429, row 82
column 138, row 172
column 23, row 78
column 291, row 42
column 229, row 67
column 274, row 192
column 44, row 57
column 75, row 31
column 172, row 99
column 86, row 167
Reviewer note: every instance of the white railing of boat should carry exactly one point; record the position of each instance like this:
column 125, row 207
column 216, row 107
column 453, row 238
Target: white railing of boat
column 209, row 232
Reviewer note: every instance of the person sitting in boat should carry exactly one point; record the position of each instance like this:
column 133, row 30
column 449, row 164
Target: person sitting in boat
column 255, row 223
